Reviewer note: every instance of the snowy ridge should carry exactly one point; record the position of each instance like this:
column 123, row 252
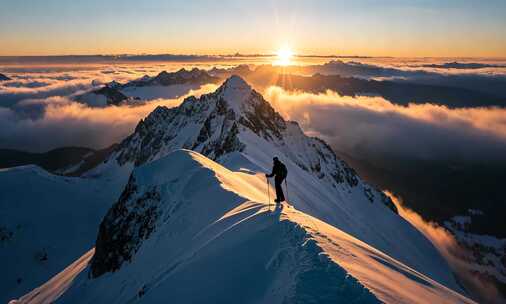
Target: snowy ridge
column 212, row 239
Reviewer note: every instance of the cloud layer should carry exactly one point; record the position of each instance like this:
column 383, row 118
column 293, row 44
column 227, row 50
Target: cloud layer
column 459, row 258
column 43, row 124
column 372, row 127
column 36, row 82
column 38, row 111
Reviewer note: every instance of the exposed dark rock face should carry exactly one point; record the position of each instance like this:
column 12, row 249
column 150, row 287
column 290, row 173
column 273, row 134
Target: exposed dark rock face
column 264, row 120
column 114, row 96
column 128, row 222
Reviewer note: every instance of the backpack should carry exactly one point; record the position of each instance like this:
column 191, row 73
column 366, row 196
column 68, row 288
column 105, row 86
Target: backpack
column 282, row 170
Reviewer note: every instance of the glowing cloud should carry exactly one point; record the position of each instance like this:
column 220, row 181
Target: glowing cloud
column 369, row 127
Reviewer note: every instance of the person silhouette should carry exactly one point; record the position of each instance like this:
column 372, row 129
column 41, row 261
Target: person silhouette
column 279, row 172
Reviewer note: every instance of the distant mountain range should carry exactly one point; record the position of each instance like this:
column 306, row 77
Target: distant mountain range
column 397, row 91
column 460, row 65
column 164, row 78
column 115, row 93
column 68, row 160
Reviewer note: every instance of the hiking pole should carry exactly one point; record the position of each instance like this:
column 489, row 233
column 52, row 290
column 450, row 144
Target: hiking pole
column 268, row 193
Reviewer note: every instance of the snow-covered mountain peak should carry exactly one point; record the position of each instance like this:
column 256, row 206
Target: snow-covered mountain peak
column 113, row 84
column 209, row 124
column 145, row 78
column 236, row 92
column 189, row 74
column 235, row 82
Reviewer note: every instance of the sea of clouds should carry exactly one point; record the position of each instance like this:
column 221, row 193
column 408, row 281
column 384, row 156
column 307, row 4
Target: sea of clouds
column 38, row 111
column 372, row 127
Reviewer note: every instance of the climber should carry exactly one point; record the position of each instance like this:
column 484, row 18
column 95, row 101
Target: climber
column 279, row 172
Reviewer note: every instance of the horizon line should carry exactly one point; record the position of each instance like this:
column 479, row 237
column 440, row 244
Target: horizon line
column 225, row 56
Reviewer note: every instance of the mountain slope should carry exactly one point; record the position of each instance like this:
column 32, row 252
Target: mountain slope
column 47, row 221
column 188, row 230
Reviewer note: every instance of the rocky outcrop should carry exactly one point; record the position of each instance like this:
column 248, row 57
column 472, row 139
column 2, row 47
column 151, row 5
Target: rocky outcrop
column 3, row 77
column 113, row 95
column 127, row 223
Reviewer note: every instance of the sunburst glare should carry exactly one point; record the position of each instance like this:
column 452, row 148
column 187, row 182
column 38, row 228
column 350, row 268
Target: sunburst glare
column 284, row 56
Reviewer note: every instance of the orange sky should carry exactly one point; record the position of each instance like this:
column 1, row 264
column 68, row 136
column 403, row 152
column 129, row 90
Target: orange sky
column 364, row 27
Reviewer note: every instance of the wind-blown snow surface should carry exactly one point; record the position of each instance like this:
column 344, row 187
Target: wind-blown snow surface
column 47, row 221
column 214, row 240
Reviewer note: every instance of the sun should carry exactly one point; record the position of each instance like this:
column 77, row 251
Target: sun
column 284, row 56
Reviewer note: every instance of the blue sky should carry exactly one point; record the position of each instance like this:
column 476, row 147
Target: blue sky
column 395, row 28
